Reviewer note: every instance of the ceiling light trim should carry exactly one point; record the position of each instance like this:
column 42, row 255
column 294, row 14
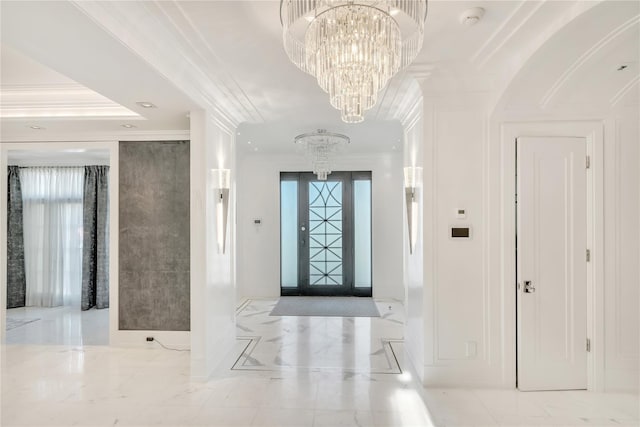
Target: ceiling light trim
column 146, row 104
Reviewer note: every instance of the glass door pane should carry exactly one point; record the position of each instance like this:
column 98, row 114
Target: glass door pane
column 325, row 233
column 362, row 233
column 289, row 234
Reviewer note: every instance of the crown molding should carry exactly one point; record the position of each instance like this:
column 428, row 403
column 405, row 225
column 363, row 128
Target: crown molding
column 160, row 41
column 58, row 101
column 157, row 135
column 400, row 98
column 410, row 107
column 198, row 46
column 528, row 28
column 509, row 28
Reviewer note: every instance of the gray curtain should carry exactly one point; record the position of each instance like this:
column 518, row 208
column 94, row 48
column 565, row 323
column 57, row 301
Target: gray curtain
column 95, row 256
column 16, row 282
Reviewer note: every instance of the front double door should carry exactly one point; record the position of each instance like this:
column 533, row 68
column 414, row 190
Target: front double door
column 326, row 234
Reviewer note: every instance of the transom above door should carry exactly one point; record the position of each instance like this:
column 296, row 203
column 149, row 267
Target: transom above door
column 325, row 234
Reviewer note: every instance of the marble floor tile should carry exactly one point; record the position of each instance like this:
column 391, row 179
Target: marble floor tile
column 414, row 417
column 278, row 417
column 323, row 418
column 224, row 417
column 507, row 402
column 311, row 371
column 321, row 343
column 292, row 394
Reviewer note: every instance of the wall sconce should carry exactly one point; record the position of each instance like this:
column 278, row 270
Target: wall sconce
column 220, row 184
column 412, row 181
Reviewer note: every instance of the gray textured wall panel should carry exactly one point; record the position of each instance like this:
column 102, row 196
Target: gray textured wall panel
column 154, row 236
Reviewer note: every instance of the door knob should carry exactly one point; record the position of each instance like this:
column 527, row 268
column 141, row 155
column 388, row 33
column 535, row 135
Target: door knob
column 528, row 287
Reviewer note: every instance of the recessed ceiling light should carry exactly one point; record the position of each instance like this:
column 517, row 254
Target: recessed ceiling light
column 248, row 142
column 471, row 16
column 255, row 149
column 36, row 127
column 127, row 125
column 146, row 104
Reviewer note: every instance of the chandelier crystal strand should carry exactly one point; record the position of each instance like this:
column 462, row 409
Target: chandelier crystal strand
column 352, row 47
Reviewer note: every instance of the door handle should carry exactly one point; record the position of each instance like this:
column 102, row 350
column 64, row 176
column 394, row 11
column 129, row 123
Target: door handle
column 528, row 287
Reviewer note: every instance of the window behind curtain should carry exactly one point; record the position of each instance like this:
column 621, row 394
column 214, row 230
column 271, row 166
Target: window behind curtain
column 52, row 210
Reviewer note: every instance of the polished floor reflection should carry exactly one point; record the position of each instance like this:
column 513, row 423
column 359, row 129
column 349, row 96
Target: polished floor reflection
column 57, row 325
column 354, row 345
column 71, row 383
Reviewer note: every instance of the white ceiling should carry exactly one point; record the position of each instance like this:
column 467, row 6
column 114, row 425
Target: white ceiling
column 187, row 54
column 64, row 46
column 589, row 81
column 33, row 93
column 18, row 70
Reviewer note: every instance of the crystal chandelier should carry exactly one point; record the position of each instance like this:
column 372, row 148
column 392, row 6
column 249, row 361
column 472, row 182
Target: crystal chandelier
column 320, row 147
column 352, row 47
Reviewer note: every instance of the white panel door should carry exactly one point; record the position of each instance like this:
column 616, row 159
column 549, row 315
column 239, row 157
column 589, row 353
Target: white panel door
column 552, row 264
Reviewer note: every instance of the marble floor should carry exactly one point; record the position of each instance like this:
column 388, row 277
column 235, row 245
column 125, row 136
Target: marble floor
column 289, row 371
column 59, row 325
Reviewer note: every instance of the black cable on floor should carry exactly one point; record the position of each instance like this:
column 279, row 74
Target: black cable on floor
column 169, row 348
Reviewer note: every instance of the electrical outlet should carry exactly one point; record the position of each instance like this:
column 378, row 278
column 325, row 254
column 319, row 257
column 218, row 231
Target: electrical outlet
column 149, row 339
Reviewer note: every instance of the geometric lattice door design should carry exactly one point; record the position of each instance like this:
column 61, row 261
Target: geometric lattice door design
column 325, row 233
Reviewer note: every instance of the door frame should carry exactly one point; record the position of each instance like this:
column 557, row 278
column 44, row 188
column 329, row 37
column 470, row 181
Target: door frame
column 593, row 132
column 349, row 288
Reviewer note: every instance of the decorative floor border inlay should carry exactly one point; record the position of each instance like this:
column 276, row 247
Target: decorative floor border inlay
column 349, row 345
column 246, row 362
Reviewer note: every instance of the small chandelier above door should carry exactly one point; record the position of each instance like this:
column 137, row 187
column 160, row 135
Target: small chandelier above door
column 320, row 147
column 352, row 47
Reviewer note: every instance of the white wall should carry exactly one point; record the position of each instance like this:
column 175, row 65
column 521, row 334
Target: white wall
column 622, row 250
column 467, row 285
column 212, row 273
column 414, row 262
column 468, row 288
column 456, row 314
column 258, row 254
